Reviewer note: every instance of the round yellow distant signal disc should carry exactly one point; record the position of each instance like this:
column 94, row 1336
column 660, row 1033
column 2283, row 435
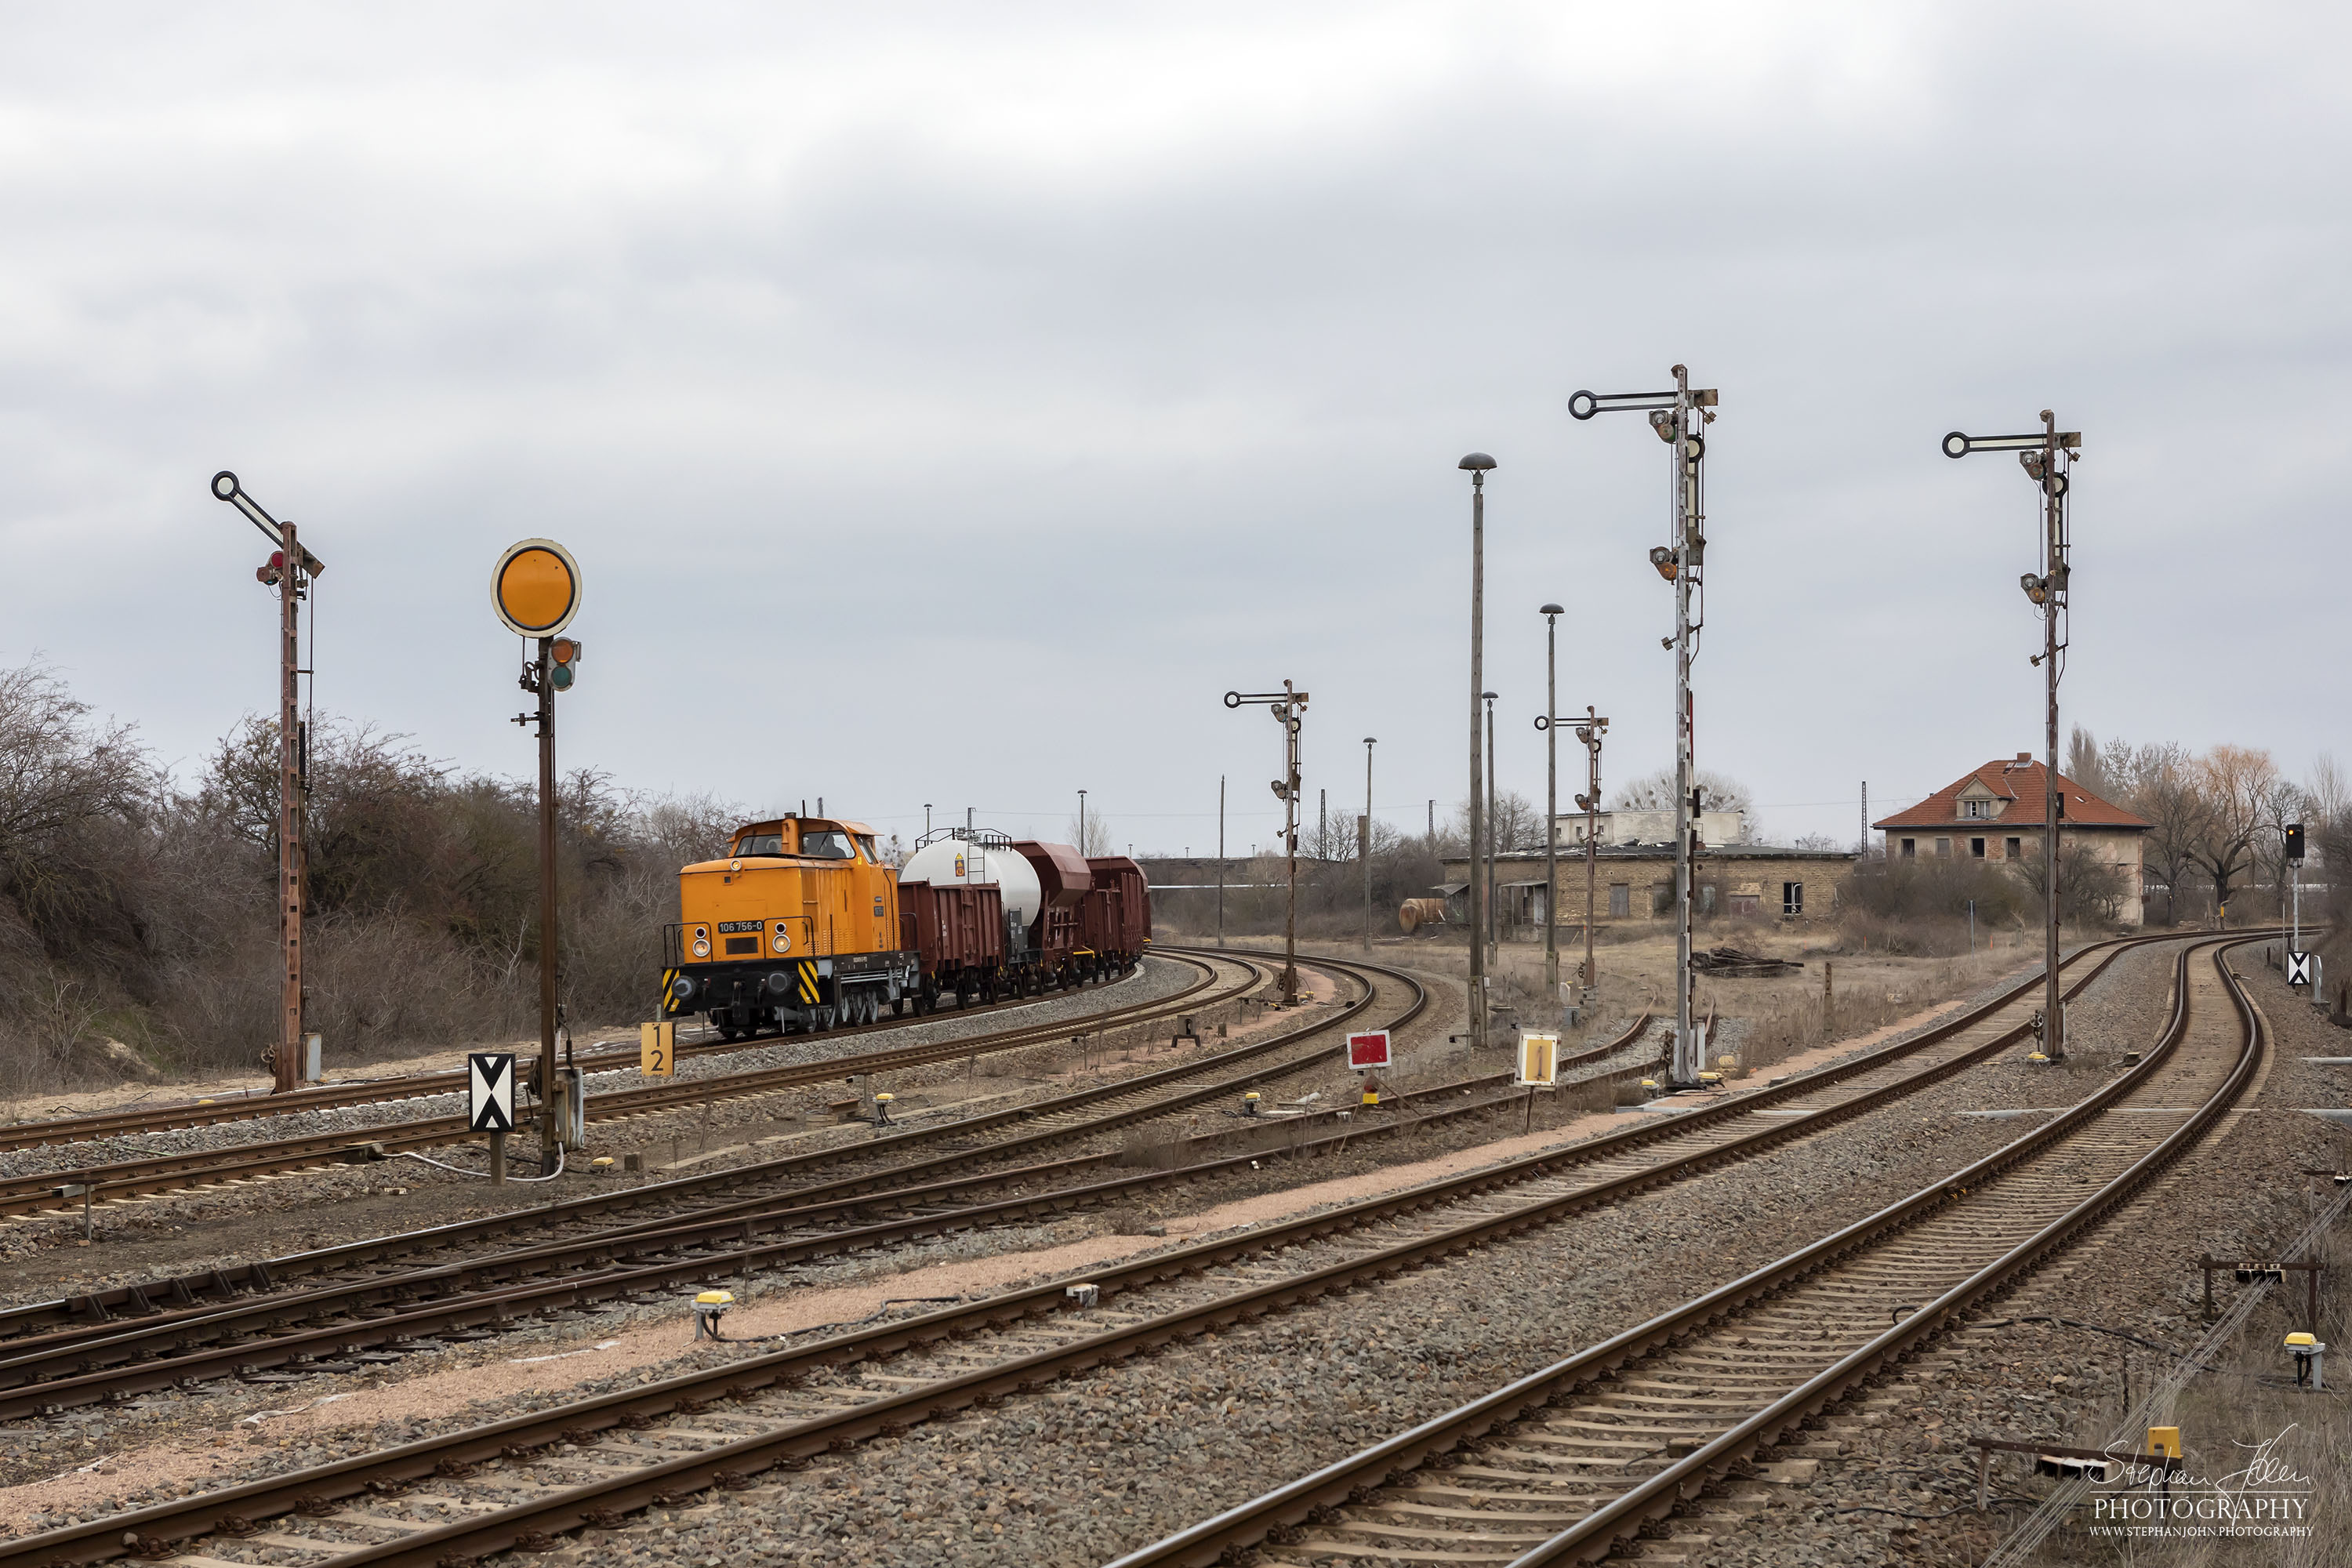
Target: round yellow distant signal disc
column 536, row 588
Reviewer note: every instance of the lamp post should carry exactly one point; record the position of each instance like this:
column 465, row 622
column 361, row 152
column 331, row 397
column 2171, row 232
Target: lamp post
column 1678, row 416
column 1081, row 823
column 1552, row 614
column 1478, row 464
column 1287, row 706
column 1364, row 840
column 2047, row 456
column 1494, row 910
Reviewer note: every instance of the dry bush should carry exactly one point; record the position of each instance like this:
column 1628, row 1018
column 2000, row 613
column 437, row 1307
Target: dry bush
column 1793, row 1025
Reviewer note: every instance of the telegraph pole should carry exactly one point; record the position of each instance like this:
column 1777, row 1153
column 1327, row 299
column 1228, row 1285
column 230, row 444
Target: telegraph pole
column 1679, row 418
column 289, row 570
column 1552, row 614
column 1364, row 840
column 2048, row 457
column 1289, row 707
column 1220, row 859
column 1478, row 464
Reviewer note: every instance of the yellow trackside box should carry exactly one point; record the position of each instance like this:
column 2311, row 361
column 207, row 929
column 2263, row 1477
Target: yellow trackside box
column 797, row 928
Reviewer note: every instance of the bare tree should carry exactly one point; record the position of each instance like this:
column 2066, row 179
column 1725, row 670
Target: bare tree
column 2162, row 792
column 1095, row 840
column 2235, row 782
column 1717, row 792
column 2086, row 765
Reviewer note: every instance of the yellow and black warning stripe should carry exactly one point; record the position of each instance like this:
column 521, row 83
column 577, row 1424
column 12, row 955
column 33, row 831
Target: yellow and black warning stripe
column 808, row 982
column 668, row 999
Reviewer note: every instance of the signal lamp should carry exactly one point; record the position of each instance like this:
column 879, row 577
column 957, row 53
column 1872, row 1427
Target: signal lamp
column 564, row 662
column 702, row 942
column 2036, row 588
column 1663, row 559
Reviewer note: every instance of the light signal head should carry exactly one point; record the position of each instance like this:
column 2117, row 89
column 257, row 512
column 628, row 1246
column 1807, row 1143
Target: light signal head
column 562, row 662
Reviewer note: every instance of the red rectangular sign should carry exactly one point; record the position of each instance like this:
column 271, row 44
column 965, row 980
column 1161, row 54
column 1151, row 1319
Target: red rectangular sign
column 1368, row 1051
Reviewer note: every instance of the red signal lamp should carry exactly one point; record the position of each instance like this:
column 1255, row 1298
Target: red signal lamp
column 273, row 571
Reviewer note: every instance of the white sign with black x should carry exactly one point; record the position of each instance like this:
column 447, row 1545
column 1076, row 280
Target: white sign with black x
column 490, row 1091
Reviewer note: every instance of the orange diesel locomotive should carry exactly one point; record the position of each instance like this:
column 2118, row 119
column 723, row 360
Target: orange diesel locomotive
column 801, row 927
column 796, row 929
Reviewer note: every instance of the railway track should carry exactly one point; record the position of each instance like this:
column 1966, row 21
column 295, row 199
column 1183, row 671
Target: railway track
column 181, row 1115
column 1589, row 1457
column 107, row 1361
column 523, row 1480
column 735, row 1195
column 38, row 1193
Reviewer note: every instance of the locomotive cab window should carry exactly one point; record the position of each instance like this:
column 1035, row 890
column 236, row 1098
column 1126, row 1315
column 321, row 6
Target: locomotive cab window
column 760, row 844
column 827, row 843
column 866, row 842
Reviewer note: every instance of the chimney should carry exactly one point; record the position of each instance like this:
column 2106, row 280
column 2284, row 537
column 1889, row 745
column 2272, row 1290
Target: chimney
column 2025, row 756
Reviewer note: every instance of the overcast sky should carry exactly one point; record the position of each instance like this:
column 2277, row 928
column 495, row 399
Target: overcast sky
column 951, row 403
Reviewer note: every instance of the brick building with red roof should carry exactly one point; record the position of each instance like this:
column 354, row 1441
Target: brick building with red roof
column 1997, row 813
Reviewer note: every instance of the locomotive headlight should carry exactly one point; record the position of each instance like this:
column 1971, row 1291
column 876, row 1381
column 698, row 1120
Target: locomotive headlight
column 782, row 941
column 702, row 942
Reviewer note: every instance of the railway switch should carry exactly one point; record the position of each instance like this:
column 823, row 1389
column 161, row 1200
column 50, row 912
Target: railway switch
column 708, row 1308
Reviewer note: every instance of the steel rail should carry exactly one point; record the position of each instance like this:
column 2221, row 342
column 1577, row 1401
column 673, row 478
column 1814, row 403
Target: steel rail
column 249, row 1106
column 96, row 1363
column 185, row 1290
column 727, row 1464
column 172, row 1173
column 1359, row 1476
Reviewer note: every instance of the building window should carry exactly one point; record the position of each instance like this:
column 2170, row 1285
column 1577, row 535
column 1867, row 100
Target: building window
column 1976, row 848
column 2014, row 847
column 1743, row 903
column 1620, row 899
column 1910, row 848
column 1976, row 810
column 1944, row 847
column 1792, row 897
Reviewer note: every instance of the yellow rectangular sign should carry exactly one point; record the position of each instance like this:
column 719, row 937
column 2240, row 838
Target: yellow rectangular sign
column 658, row 1050
column 1539, row 1060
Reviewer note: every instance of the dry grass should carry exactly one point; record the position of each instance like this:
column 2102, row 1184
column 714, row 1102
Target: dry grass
column 2244, row 1401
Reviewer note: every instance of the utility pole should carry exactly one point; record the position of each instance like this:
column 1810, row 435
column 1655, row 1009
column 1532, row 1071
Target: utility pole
column 1364, row 840
column 289, row 570
column 1220, row 859
column 1493, row 908
column 1289, row 707
column 1478, row 464
column 2048, row 457
column 1081, row 823
column 1679, row 418
column 1552, row 614
column 1865, row 818
column 536, row 592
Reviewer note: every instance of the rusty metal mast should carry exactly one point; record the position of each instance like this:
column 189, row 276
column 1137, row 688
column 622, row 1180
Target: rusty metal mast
column 290, row 571
column 1678, row 416
column 1289, row 707
column 2048, row 457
